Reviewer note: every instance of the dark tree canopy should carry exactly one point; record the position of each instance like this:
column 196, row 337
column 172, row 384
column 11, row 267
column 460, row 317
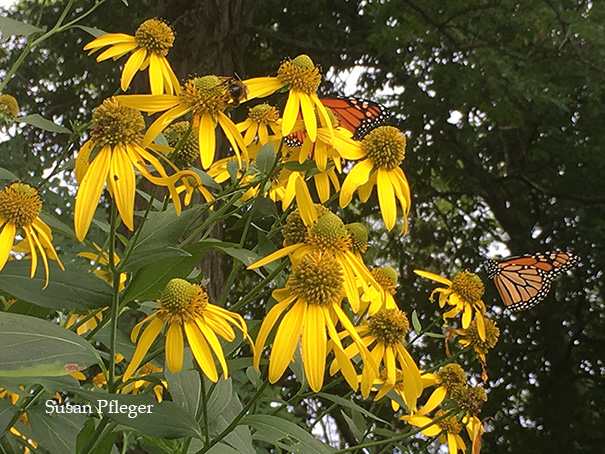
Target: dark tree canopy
column 503, row 103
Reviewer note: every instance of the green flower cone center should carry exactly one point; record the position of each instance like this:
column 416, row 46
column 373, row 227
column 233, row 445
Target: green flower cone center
column 155, row 36
column 385, row 146
column 186, row 138
column 300, row 74
column 386, row 278
column 207, row 94
column 389, row 326
column 318, row 279
column 469, row 286
column 295, row 230
column 329, row 233
column 20, row 204
column 359, row 237
column 451, row 375
column 181, row 301
column 449, row 424
column 114, row 124
column 263, row 114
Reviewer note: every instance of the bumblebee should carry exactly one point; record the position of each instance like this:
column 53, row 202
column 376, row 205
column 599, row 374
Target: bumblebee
column 237, row 90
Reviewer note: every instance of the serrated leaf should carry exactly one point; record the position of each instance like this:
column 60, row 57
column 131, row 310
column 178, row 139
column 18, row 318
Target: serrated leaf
column 30, row 347
column 416, row 322
column 6, row 175
column 72, row 289
column 285, row 434
column 265, row 158
column 40, row 122
column 10, row 27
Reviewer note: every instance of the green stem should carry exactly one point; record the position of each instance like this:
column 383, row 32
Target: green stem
column 115, row 303
column 38, row 391
column 95, row 436
column 236, row 420
column 204, row 407
column 57, row 28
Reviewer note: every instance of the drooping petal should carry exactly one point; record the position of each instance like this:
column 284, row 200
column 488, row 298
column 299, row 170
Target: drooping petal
column 117, row 51
column 174, row 347
column 314, row 342
column 435, row 399
column 89, row 192
column 290, row 112
column 110, row 39
column 162, row 122
column 358, row 175
column 386, row 199
column 274, row 256
column 215, row 345
column 122, row 182
column 234, row 137
column 133, row 64
column 143, row 345
column 156, row 74
column 207, row 140
column 259, row 87
column 308, row 114
column 286, row 339
column 201, row 351
column 7, row 238
column 306, row 208
column 270, row 319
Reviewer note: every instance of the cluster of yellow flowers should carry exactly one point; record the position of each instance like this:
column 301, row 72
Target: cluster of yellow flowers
column 329, row 287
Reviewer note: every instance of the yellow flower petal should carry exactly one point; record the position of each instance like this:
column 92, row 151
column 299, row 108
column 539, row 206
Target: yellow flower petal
column 143, row 345
column 286, row 340
column 358, row 175
column 386, row 199
column 116, row 51
column 149, row 103
column 174, row 348
column 7, row 238
column 308, row 114
column 207, row 140
column 109, row 39
column 270, row 319
column 314, row 343
column 259, row 87
column 274, row 256
column 433, row 277
column 201, row 351
column 122, row 182
column 290, row 112
column 215, row 345
column 89, row 192
column 156, row 74
column 133, row 64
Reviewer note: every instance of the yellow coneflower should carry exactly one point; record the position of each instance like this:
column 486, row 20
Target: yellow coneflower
column 20, row 207
column 206, row 97
column 116, row 134
column 310, row 308
column 302, row 78
column 149, row 46
column 464, row 293
column 186, row 312
column 380, row 154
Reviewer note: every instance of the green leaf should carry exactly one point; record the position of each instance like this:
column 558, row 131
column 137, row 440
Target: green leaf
column 265, row 158
column 55, row 433
column 33, row 347
column 347, row 403
column 152, row 278
column 42, row 123
column 243, row 255
column 416, row 322
column 157, row 239
column 103, row 446
column 285, row 434
column 185, row 386
column 143, row 413
column 435, row 335
column 223, row 406
column 7, row 411
column 72, row 289
column 6, row 175
column 96, row 32
column 13, row 27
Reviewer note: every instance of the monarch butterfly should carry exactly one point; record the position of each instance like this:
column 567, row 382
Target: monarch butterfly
column 524, row 281
column 358, row 116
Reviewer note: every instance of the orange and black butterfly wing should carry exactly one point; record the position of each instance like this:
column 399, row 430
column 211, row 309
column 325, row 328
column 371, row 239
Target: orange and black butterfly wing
column 358, row 116
column 524, row 281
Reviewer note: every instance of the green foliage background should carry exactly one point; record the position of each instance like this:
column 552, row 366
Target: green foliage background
column 504, row 105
